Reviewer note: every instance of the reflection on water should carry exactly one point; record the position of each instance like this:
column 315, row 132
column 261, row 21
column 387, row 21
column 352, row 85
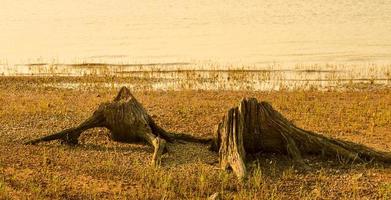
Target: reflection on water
column 229, row 31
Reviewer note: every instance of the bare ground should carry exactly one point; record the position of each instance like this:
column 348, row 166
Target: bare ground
column 100, row 168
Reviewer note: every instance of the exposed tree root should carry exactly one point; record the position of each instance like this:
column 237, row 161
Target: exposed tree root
column 255, row 127
column 127, row 121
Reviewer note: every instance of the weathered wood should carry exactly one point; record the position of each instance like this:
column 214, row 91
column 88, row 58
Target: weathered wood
column 231, row 152
column 255, row 127
column 127, row 121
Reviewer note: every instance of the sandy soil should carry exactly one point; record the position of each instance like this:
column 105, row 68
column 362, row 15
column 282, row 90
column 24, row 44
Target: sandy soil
column 100, row 168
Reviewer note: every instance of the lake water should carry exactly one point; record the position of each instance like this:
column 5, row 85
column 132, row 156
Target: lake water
column 293, row 41
column 224, row 31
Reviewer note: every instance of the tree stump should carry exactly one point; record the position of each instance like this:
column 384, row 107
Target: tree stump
column 127, row 121
column 255, row 127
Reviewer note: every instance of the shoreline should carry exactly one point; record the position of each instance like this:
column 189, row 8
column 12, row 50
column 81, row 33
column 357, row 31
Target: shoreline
column 206, row 80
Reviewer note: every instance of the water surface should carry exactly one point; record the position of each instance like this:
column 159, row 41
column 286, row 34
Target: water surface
column 224, row 31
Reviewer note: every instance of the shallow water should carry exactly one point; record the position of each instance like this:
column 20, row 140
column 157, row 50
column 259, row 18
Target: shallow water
column 199, row 44
column 224, row 31
column 187, row 76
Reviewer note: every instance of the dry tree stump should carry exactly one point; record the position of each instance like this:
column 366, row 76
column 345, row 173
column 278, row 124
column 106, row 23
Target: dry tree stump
column 255, row 127
column 127, row 121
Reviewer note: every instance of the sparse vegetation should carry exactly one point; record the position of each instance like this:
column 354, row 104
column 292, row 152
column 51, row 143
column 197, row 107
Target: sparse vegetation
column 100, row 168
column 206, row 76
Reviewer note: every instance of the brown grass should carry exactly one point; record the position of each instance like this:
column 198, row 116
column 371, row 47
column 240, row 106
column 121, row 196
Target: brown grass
column 100, row 168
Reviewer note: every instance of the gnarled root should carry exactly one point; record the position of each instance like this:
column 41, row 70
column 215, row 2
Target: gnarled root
column 127, row 121
column 159, row 145
column 255, row 127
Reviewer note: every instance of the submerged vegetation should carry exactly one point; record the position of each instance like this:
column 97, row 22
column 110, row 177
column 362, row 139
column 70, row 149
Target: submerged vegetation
column 100, row 168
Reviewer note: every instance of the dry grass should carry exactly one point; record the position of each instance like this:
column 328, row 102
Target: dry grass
column 100, row 168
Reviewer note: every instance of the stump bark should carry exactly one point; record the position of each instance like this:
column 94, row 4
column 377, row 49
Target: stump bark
column 127, row 121
column 255, row 127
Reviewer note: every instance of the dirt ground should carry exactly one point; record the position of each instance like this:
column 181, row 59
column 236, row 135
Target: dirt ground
column 102, row 169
